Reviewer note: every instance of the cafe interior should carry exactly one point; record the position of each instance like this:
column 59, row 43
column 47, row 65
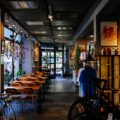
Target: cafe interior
column 43, row 44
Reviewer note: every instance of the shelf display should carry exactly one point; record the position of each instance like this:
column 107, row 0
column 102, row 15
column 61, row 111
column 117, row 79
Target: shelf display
column 36, row 53
column 109, row 69
column 72, row 56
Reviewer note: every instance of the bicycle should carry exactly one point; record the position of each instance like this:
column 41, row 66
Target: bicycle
column 94, row 108
column 6, row 110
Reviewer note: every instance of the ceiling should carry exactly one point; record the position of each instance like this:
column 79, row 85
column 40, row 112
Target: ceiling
column 111, row 10
column 67, row 17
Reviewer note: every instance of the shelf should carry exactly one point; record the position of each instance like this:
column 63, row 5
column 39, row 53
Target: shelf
column 109, row 69
column 109, row 55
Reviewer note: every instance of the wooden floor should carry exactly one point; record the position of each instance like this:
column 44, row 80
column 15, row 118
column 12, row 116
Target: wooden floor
column 61, row 94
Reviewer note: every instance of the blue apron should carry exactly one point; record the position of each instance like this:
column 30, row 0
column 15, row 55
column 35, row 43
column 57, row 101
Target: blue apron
column 87, row 83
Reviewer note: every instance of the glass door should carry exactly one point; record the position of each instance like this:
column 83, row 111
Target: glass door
column 51, row 64
column 53, row 61
column 59, row 63
column 48, row 61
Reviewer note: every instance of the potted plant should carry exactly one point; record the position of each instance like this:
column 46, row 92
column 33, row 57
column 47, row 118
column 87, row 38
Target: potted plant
column 77, row 64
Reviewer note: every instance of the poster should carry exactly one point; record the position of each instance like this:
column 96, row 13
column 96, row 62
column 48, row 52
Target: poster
column 108, row 32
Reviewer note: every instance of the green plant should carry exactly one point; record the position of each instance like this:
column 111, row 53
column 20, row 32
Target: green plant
column 7, row 77
column 77, row 58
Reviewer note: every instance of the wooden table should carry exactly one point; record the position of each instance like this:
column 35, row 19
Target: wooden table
column 24, row 82
column 20, row 88
column 27, row 78
column 23, row 78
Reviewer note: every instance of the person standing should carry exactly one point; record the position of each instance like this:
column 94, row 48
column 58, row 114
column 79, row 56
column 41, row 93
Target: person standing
column 86, row 80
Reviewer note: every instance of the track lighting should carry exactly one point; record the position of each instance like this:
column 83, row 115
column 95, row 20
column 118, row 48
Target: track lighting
column 50, row 13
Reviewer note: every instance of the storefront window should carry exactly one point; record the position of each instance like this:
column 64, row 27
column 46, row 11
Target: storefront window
column 7, row 33
column 12, row 55
column 8, row 67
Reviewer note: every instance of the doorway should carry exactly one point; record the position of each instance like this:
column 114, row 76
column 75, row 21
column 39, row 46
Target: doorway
column 55, row 59
column 59, row 64
column 48, row 61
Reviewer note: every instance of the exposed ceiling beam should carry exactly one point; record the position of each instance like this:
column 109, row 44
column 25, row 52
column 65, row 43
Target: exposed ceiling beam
column 93, row 11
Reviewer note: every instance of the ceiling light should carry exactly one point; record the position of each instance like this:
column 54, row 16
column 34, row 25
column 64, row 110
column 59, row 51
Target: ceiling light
column 59, row 28
column 40, row 32
column 15, row 4
column 23, row 4
column 13, row 25
column 59, row 35
column 50, row 17
column 91, row 36
column 34, row 23
column 64, row 28
column 70, row 28
column 43, row 32
column 31, row 4
column 92, row 41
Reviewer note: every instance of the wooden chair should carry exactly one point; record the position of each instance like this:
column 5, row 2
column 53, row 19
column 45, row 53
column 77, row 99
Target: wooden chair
column 14, row 96
column 35, row 83
column 28, row 96
column 16, row 84
column 11, row 91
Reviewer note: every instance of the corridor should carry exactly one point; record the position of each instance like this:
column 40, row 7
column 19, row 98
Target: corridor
column 61, row 94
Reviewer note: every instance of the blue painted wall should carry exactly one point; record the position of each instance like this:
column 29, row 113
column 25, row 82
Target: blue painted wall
column 27, row 60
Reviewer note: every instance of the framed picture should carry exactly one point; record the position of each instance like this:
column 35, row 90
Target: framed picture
column 108, row 32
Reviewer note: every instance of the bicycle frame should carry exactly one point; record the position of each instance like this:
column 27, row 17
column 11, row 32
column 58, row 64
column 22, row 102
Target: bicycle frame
column 95, row 108
column 6, row 110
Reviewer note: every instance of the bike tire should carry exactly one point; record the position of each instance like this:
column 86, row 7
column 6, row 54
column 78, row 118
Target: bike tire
column 8, row 112
column 77, row 111
column 108, row 111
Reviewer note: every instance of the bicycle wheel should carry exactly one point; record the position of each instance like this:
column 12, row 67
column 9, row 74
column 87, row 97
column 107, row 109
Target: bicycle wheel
column 8, row 112
column 77, row 111
column 105, row 111
column 113, row 112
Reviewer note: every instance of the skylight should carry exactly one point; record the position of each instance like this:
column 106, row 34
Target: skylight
column 23, row 4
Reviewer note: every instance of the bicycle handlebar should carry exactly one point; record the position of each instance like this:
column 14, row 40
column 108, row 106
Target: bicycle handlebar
column 4, row 96
column 99, row 82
